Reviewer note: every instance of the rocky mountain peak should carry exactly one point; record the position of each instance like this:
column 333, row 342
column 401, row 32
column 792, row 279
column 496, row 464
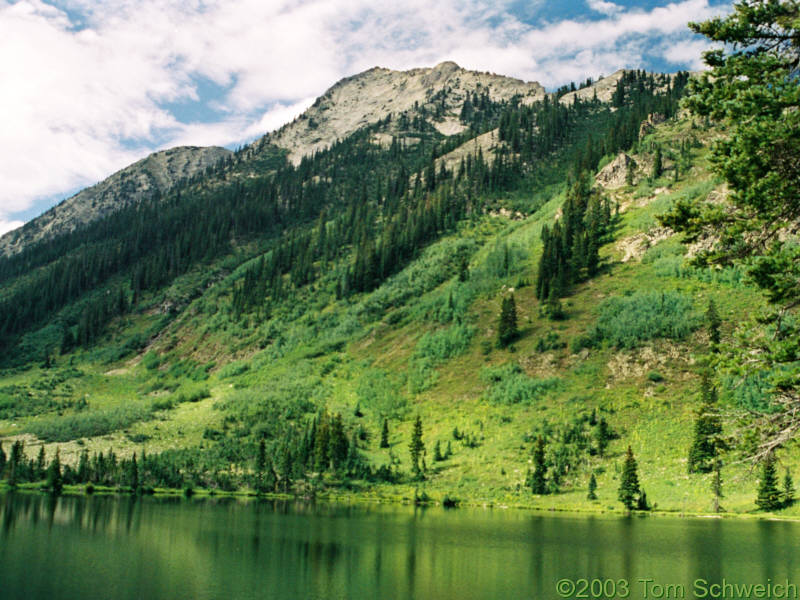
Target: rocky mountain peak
column 371, row 96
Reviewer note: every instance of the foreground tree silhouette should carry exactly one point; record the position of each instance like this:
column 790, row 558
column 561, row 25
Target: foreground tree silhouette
column 752, row 88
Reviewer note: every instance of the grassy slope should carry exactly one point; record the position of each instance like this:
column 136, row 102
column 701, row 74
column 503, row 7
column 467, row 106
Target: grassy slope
column 654, row 417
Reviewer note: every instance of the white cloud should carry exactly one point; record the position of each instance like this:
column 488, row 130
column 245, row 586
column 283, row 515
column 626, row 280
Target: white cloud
column 6, row 226
column 83, row 96
column 606, row 8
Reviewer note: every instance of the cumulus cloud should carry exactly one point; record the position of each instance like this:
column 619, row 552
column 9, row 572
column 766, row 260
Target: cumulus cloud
column 90, row 86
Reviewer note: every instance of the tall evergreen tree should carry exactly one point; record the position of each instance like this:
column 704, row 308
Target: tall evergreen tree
column 629, row 482
column 592, row 494
column 507, row 325
column 714, row 323
column 385, row 434
column 39, row 469
column 55, row 482
column 2, row 461
column 788, row 489
column 417, row 447
column 707, row 441
column 716, row 484
column 538, row 480
column 769, row 497
column 658, row 166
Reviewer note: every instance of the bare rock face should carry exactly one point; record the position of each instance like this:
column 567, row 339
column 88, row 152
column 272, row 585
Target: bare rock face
column 373, row 95
column 142, row 180
column 604, row 88
column 649, row 125
column 613, row 175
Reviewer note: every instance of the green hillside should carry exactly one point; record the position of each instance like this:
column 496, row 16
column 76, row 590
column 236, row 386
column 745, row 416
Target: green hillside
column 255, row 329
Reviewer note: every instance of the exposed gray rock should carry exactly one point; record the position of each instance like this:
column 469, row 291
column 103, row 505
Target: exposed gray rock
column 155, row 174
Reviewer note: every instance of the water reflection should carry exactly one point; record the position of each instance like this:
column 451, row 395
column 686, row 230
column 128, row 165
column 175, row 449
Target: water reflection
column 100, row 547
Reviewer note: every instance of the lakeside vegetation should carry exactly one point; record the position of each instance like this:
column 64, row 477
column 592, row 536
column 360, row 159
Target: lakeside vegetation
column 369, row 322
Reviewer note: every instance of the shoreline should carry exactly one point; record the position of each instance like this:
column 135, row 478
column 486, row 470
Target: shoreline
column 350, row 498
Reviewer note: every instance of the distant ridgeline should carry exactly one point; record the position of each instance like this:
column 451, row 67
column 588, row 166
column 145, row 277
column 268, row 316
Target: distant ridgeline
column 356, row 212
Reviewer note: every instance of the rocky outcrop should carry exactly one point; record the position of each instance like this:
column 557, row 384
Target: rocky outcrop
column 614, row 174
column 373, row 95
column 604, row 88
column 142, row 180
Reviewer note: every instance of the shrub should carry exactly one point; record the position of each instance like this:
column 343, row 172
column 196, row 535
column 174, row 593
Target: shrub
column 627, row 322
column 508, row 384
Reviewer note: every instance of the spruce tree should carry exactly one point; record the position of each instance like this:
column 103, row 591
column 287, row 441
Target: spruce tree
column 538, row 481
column 658, row 166
column 788, row 489
column 507, row 325
column 385, row 434
column 437, row 452
column 706, row 442
column 39, row 469
column 629, row 482
column 716, row 484
column 54, row 482
column 769, row 497
column 592, row 495
column 416, row 447
column 2, row 461
column 714, row 323
column 602, row 436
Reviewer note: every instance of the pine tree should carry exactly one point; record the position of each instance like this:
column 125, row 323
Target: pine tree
column 629, row 482
column 641, row 503
column 261, row 467
column 437, row 452
column 658, row 166
column 788, row 489
column 39, row 469
column 707, row 430
column 507, row 325
column 602, row 436
column 385, row 434
column 538, row 481
column 417, row 447
column 714, row 323
column 54, row 482
column 716, row 484
column 769, row 497
column 132, row 475
column 592, row 495
column 2, row 461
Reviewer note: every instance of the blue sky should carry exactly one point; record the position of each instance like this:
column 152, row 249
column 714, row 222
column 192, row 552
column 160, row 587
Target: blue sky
column 90, row 86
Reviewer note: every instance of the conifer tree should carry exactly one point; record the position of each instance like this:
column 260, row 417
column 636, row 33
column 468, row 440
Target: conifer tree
column 385, row 434
column 2, row 461
column 132, row 475
column 602, row 436
column 538, row 481
column 417, row 447
column 39, row 469
column 54, row 482
column 592, row 495
column 769, row 497
column 658, row 166
column 437, row 452
column 261, row 466
column 507, row 325
column 716, row 484
column 714, row 323
column 641, row 503
column 788, row 489
column 629, row 482
column 707, row 430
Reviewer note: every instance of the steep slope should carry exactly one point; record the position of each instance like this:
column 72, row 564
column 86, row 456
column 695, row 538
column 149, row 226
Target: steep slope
column 349, row 295
column 372, row 95
column 155, row 174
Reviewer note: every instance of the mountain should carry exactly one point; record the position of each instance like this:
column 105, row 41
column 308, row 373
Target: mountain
column 154, row 175
column 354, row 102
column 475, row 253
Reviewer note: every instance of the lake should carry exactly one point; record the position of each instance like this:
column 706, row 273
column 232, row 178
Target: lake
column 150, row 548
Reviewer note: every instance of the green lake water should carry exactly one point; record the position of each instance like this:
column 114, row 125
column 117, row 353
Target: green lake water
column 121, row 548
